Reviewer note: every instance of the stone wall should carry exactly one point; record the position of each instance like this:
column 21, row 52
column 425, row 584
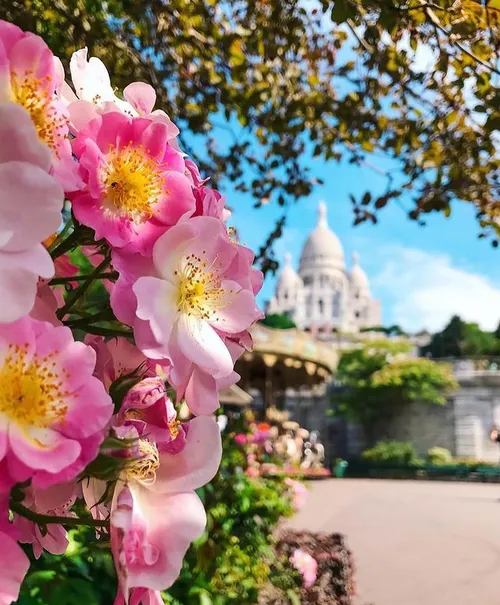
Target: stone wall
column 462, row 426
column 477, row 408
column 424, row 425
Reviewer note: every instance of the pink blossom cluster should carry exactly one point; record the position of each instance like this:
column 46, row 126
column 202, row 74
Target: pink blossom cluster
column 87, row 410
column 306, row 565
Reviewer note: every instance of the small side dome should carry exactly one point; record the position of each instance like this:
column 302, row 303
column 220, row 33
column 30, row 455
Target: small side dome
column 288, row 280
column 357, row 277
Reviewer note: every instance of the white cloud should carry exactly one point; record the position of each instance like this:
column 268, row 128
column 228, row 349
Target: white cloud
column 423, row 290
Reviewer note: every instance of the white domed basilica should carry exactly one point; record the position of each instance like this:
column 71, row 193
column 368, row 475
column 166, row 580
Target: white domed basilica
column 323, row 296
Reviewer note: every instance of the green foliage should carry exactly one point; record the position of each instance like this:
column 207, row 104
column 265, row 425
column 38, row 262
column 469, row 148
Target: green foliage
column 235, row 558
column 83, row 576
column 393, row 452
column 378, row 378
column 460, row 339
column 338, row 81
column 415, row 379
column 439, row 455
column 394, row 330
column 279, row 321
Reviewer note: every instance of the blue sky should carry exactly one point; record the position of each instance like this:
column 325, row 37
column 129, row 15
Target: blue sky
column 422, row 275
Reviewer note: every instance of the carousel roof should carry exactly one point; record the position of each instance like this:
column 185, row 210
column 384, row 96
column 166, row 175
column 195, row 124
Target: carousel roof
column 294, row 349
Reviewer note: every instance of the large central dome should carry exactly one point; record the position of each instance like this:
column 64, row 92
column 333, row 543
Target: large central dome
column 322, row 249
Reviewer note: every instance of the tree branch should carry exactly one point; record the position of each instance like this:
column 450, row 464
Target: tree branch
column 434, row 19
column 362, row 41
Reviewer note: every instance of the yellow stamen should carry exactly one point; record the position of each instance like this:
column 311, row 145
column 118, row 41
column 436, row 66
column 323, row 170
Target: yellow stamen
column 133, row 182
column 199, row 288
column 31, row 391
column 173, row 427
column 31, row 93
column 144, row 468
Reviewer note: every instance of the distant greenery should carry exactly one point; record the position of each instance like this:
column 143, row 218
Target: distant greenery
column 379, row 378
column 394, row 330
column 460, row 339
column 439, row 456
column 279, row 321
column 394, row 452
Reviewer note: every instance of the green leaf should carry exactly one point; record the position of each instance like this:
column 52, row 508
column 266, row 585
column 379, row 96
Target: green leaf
column 293, row 597
column 493, row 122
column 342, row 10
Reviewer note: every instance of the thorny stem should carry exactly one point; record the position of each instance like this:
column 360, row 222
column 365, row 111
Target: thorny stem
column 68, row 244
column 84, row 287
column 106, row 315
column 59, row 281
column 40, row 519
column 60, row 236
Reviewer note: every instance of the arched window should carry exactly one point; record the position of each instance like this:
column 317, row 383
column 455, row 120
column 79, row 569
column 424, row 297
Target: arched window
column 336, row 305
column 321, row 306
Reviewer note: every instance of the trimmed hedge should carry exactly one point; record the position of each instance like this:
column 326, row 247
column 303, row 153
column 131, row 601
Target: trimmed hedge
column 464, row 470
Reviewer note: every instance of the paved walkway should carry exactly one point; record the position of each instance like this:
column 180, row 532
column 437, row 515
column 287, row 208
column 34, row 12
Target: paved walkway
column 414, row 543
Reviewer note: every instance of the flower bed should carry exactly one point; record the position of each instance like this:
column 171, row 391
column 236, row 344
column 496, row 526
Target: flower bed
column 305, row 475
column 334, row 583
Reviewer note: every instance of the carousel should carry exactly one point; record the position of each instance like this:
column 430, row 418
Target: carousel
column 286, row 368
column 285, row 361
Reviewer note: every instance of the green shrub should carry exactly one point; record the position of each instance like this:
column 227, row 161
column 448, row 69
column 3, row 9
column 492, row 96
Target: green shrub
column 393, row 452
column 278, row 321
column 439, row 456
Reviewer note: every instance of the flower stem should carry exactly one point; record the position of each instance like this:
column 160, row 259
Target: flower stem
column 68, row 244
column 61, row 235
column 105, row 315
column 84, row 287
column 58, row 281
column 40, row 519
column 91, row 329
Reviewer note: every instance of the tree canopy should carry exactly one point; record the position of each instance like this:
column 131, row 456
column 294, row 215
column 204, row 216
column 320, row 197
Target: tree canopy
column 460, row 339
column 279, row 321
column 379, row 377
column 267, row 86
column 394, row 330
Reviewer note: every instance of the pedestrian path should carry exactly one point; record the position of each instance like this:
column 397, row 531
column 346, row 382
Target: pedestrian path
column 414, row 542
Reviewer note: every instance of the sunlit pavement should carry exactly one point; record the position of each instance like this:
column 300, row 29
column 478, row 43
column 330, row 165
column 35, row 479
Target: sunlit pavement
column 414, row 542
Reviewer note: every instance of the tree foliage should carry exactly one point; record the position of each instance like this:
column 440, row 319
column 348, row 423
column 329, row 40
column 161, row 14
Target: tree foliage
column 279, row 321
column 379, row 377
column 394, row 330
column 268, row 84
column 460, row 339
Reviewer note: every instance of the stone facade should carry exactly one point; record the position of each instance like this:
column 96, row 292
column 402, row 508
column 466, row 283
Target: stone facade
column 324, row 296
column 462, row 426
